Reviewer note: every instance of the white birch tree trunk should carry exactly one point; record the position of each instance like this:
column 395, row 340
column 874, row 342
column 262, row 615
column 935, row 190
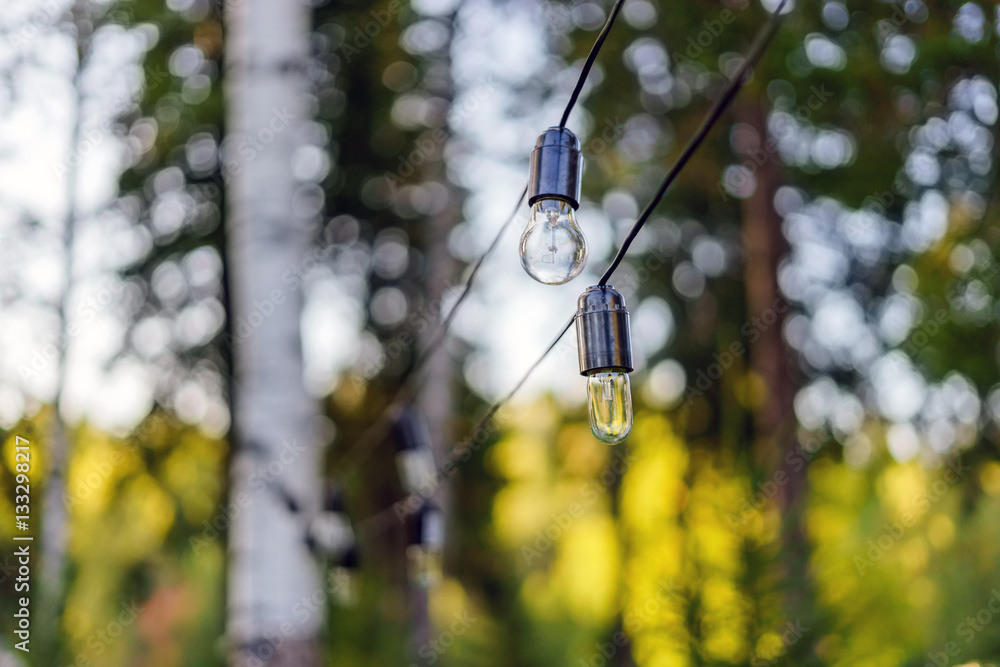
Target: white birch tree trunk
column 271, row 569
column 55, row 526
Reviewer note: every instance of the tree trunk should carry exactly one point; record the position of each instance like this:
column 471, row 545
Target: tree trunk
column 54, row 528
column 436, row 395
column 765, row 245
column 275, row 476
column 771, row 358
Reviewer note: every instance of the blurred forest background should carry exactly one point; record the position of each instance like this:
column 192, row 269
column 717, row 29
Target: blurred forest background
column 813, row 477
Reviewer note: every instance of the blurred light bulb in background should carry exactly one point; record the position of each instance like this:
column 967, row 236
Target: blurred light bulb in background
column 553, row 249
column 609, row 402
column 425, row 552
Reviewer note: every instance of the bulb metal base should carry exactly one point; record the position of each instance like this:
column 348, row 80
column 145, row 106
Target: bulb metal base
column 556, row 167
column 602, row 331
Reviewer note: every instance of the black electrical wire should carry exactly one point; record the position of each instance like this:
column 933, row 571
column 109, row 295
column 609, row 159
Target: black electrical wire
column 386, row 517
column 753, row 55
column 584, row 73
column 721, row 104
column 591, row 59
column 445, row 325
column 407, row 391
column 460, row 449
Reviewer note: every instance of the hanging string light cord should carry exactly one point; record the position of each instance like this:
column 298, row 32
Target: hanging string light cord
column 442, row 329
column 411, row 380
column 445, row 325
column 591, row 59
column 382, row 520
column 721, row 104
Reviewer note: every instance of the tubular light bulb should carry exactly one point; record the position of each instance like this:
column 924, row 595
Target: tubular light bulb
column 553, row 249
column 609, row 402
column 605, row 349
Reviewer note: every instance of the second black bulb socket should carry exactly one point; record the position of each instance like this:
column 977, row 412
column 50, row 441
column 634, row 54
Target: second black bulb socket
column 602, row 331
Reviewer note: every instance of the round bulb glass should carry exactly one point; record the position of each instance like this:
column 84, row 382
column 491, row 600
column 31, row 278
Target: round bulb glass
column 553, row 249
column 609, row 402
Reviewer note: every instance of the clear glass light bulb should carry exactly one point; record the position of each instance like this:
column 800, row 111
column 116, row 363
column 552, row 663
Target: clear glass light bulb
column 553, row 249
column 609, row 401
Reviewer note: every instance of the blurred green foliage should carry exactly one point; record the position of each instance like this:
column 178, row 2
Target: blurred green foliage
column 671, row 551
